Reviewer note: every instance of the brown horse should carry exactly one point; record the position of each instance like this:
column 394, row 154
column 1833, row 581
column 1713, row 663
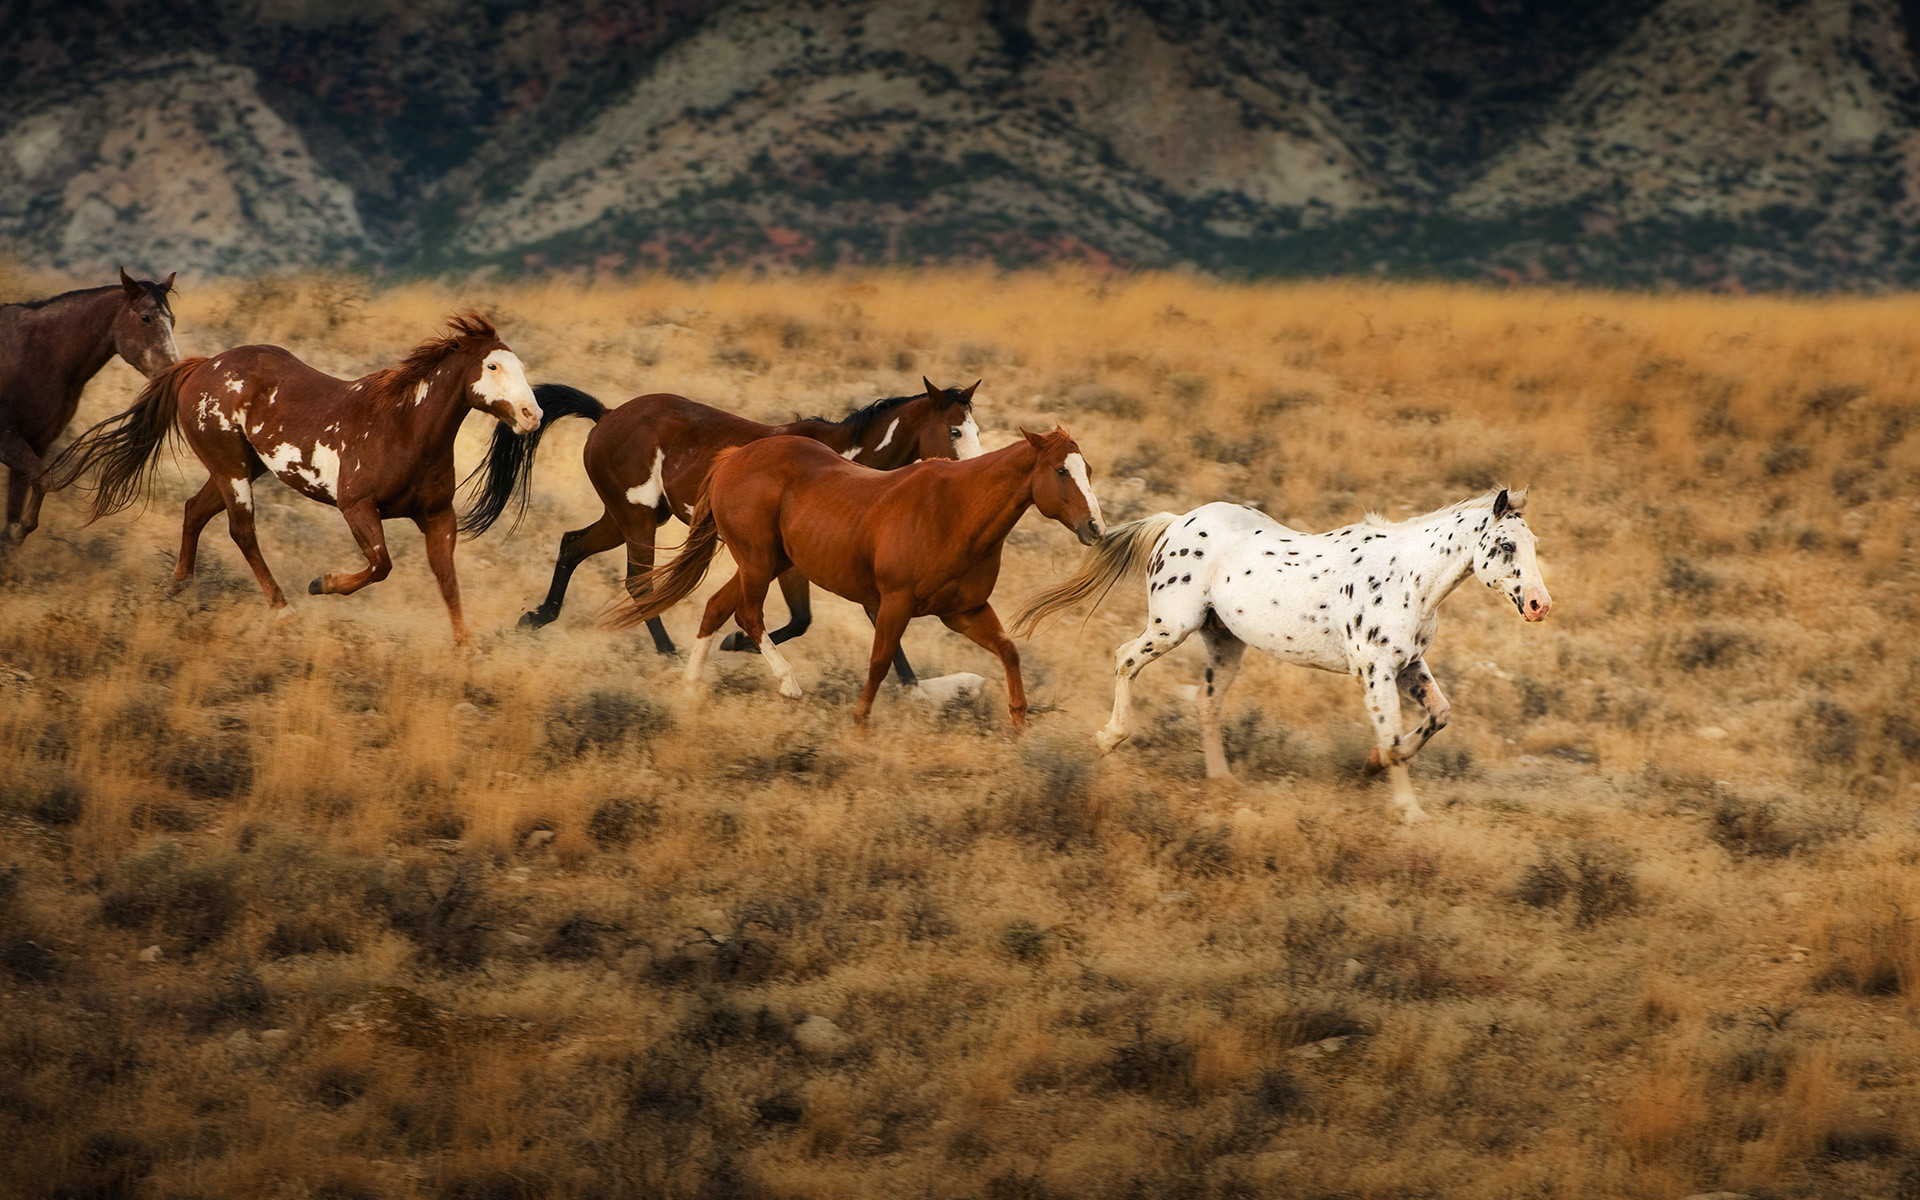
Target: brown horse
column 375, row 448
column 648, row 458
column 49, row 349
column 923, row 541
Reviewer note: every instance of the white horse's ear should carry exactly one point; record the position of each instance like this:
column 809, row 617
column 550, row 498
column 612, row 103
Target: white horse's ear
column 1518, row 501
column 1501, row 505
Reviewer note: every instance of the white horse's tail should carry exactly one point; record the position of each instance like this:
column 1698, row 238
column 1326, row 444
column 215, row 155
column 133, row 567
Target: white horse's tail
column 1121, row 553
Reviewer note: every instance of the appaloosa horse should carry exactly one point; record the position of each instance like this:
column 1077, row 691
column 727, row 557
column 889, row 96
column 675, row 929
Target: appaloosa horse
column 648, row 458
column 922, row 541
column 375, row 448
column 49, row 349
column 1361, row 600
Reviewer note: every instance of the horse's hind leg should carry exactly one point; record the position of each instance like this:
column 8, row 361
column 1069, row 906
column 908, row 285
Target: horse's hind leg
column 1169, row 623
column 1224, row 652
column 902, row 669
column 723, row 605
column 752, row 618
column 199, row 510
column 23, row 486
column 640, row 526
column 798, row 595
column 576, row 547
column 240, row 527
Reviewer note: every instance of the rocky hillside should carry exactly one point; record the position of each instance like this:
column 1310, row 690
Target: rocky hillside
column 1733, row 143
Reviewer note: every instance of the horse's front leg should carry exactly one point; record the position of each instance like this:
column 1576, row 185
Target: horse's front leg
column 1383, row 706
column 438, row 528
column 889, row 626
column 982, row 625
column 1417, row 684
column 363, row 518
column 25, row 486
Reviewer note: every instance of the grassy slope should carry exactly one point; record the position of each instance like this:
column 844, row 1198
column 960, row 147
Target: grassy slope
column 1658, row 939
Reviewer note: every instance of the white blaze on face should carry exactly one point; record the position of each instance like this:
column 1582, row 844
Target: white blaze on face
column 967, row 445
column 1077, row 471
column 503, row 379
column 243, row 492
column 648, row 494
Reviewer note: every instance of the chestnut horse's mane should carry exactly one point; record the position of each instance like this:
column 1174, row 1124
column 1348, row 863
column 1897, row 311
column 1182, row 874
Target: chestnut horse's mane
column 393, row 384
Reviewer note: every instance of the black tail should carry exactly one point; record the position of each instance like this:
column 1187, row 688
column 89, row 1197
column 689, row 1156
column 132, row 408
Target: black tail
column 507, row 474
column 124, row 447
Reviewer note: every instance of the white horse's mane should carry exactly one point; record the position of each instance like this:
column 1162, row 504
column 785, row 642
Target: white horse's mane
column 1483, row 500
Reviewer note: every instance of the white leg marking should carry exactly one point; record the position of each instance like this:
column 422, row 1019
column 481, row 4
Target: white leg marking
column 696, row 662
column 243, row 492
column 782, row 669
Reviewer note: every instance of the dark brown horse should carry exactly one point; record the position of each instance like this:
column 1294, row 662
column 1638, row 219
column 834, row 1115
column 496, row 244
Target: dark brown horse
column 648, row 458
column 49, row 349
column 377, row 447
column 923, row 541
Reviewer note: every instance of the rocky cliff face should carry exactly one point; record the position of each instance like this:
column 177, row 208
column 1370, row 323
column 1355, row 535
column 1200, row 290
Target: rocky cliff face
column 1720, row 142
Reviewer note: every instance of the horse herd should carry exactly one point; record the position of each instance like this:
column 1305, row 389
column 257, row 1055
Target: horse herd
column 896, row 507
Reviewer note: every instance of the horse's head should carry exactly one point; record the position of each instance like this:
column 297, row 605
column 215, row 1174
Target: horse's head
column 1062, row 487
column 143, row 328
column 946, row 428
column 1505, row 559
column 496, row 383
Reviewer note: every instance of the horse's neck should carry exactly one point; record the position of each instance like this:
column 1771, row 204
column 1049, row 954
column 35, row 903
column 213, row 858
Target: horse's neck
column 1001, row 485
column 1440, row 552
column 83, row 326
column 831, row 434
column 435, row 420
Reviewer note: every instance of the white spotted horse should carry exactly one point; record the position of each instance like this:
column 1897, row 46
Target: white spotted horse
column 1360, row 600
column 648, row 458
column 376, row 448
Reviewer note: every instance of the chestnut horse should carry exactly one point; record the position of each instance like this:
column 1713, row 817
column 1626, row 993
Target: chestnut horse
column 648, row 458
column 922, row 541
column 49, row 349
column 375, row 448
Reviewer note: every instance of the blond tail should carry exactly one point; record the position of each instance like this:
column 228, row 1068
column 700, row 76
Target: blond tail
column 1121, row 553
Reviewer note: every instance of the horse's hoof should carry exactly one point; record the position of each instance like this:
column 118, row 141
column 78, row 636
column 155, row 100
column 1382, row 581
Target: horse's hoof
column 1374, row 765
column 791, row 691
column 533, row 620
column 1106, row 739
column 740, row 643
column 1413, row 816
column 287, row 612
column 314, row 588
column 175, row 586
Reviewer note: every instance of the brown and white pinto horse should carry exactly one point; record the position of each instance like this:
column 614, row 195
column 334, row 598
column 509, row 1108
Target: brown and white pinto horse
column 49, row 349
column 648, row 458
column 922, row 541
column 377, row 447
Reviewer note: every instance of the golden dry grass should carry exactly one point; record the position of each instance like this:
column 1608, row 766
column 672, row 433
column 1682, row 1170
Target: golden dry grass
column 1660, row 937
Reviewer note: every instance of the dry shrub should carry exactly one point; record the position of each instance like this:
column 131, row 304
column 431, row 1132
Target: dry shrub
column 445, row 912
column 1598, row 876
column 1870, row 942
column 193, row 903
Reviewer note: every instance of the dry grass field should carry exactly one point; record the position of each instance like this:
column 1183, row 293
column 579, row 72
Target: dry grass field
column 1660, row 937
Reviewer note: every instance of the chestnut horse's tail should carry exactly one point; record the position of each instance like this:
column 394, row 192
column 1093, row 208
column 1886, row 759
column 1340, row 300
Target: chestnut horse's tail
column 1121, row 553
column 124, row 447
column 672, row 581
column 506, row 476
